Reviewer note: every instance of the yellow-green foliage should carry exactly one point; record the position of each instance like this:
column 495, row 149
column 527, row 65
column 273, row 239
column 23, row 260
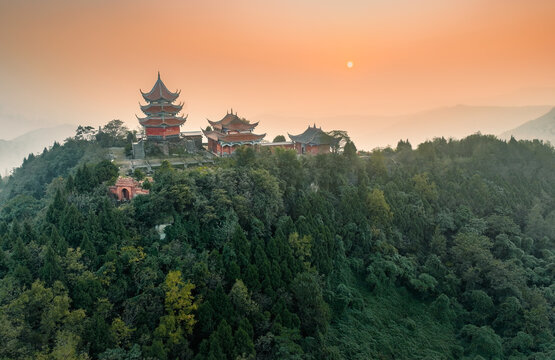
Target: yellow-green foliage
column 179, row 305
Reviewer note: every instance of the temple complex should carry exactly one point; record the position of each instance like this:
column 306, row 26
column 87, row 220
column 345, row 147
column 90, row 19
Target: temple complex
column 313, row 141
column 162, row 121
column 229, row 133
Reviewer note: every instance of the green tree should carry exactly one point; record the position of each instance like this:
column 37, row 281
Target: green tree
column 51, row 269
column 241, row 298
column 279, row 138
column 85, row 133
column 480, row 305
column 138, row 174
column 302, row 248
column 39, row 321
column 112, row 134
column 180, row 305
column 243, row 344
column 225, row 338
column 379, row 211
column 350, row 150
column 313, row 311
column 56, row 209
column 482, row 341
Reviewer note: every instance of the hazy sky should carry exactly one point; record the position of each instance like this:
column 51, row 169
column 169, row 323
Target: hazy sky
column 85, row 61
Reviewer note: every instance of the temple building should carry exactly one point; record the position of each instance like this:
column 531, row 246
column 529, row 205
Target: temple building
column 229, row 133
column 162, row 121
column 127, row 188
column 313, row 141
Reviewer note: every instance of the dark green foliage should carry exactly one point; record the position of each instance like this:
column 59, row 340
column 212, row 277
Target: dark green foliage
column 482, row 341
column 313, row 311
column 279, row 138
column 442, row 252
column 138, row 174
column 350, row 149
column 113, row 133
column 51, row 269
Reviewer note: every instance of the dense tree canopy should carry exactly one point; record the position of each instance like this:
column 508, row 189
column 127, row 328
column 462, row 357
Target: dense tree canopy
column 440, row 252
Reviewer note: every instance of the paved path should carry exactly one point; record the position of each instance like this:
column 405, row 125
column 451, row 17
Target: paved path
column 126, row 165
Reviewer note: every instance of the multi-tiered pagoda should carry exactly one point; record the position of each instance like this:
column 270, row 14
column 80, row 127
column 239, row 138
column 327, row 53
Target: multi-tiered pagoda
column 229, row 133
column 162, row 121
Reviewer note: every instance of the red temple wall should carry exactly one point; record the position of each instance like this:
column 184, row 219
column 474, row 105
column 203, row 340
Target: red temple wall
column 217, row 148
column 318, row 149
column 273, row 147
column 312, row 149
column 132, row 191
column 160, row 131
column 229, row 149
column 214, row 146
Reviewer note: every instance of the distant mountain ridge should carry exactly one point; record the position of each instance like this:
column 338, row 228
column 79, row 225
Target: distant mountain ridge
column 459, row 121
column 369, row 131
column 542, row 128
column 12, row 152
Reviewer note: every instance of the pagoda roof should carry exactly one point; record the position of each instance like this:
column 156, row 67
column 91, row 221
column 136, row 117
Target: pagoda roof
column 154, row 108
column 233, row 138
column 160, row 91
column 233, row 122
column 126, row 181
column 160, row 121
column 313, row 135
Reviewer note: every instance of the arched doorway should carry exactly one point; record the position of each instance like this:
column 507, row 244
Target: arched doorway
column 125, row 195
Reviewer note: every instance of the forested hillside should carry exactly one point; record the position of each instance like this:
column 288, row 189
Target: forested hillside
column 441, row 252
column 13, row 151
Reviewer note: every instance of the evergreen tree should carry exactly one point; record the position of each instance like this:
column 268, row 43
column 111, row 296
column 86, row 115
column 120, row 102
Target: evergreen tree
column 57, row 242
column 87, row 247
column 56, row 209
column 51, row 269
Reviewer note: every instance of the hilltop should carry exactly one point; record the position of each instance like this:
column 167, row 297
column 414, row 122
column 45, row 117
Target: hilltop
column 439, row 252
column 13, row 151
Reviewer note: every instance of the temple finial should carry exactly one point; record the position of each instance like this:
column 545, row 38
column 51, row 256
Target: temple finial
column 158, row 74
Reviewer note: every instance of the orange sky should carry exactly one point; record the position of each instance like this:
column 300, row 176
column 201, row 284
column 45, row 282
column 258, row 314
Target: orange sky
column 85, row 61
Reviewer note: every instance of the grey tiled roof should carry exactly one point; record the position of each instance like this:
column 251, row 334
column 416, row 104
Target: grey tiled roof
column 314, row 136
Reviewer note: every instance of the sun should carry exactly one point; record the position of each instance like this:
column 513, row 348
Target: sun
column 350, row 64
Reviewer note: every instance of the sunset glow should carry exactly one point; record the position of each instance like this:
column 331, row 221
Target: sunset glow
column 84, row 62
column 277, row 179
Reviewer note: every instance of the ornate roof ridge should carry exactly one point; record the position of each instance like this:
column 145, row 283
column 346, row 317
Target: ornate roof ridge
column 313, row 135
column 177, row 107
column 237, row 137
column 160, row 91
column 181, row 119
